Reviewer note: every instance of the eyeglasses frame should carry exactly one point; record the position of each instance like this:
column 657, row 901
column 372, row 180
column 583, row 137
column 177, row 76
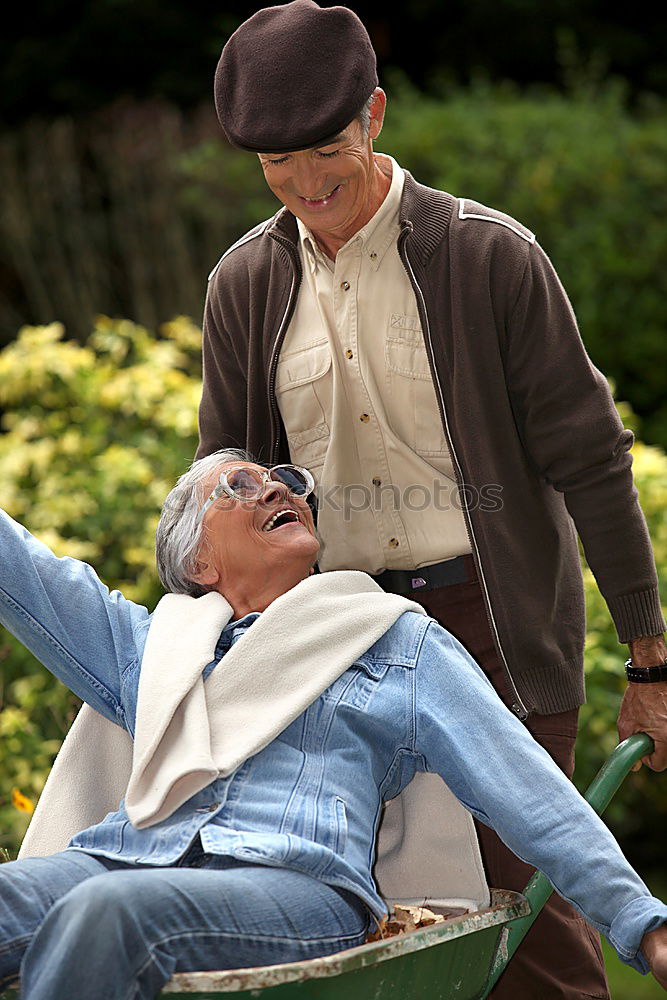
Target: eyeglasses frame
column 223, row 486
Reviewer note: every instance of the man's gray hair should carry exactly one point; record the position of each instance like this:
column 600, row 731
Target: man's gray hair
column 179, row 534
column 364, row 116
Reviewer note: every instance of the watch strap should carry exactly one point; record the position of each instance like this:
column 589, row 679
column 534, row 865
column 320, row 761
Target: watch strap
column 646, row 675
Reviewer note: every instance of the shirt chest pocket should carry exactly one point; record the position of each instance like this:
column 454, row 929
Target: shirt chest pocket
column 356, row 686
column 304, row 393
column 412, row 406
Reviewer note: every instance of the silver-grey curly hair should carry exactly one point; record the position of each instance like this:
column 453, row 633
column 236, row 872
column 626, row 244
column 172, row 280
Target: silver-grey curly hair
column 178, row 533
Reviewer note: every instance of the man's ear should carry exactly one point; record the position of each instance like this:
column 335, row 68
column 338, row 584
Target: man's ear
column 377, row 113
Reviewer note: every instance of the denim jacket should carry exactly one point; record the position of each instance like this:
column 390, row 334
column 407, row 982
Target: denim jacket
column 311, row 800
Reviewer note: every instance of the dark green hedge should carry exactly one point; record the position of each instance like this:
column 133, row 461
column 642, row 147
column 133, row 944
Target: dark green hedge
column 590, row 179
column 127, row 212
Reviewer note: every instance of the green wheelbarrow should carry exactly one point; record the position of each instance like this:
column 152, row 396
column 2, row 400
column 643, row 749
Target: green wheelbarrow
column 460, row 958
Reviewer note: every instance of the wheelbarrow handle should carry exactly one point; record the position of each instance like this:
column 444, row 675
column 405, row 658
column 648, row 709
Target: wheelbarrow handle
column 599, row 794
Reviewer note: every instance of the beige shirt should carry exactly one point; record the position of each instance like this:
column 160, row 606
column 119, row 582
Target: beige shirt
column 356, row 395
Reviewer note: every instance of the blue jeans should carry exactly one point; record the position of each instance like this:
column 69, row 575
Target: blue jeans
column 77, row 926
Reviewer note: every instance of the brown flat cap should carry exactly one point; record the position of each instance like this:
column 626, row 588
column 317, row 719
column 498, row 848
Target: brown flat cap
column 293, row 76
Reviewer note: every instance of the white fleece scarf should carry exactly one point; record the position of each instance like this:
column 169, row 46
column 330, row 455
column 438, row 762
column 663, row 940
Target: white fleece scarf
column 427, row 850
column 189, row 732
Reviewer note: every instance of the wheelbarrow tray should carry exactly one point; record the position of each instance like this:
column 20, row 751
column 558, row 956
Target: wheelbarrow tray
column 461, row 953
column 450, row 960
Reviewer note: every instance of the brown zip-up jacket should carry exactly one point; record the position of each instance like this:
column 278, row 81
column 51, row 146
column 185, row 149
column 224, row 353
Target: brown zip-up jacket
column 523, row 408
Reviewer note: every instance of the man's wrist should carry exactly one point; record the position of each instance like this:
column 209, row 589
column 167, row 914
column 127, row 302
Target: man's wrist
column 648, row 651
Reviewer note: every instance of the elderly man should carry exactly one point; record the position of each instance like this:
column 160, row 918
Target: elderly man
column 246, row 835
column 418, row 353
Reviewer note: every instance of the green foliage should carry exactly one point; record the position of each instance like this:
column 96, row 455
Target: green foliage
column 589, row 177
column 124, row 214
column 639, row 814
column 127, row 212
column 94, row 437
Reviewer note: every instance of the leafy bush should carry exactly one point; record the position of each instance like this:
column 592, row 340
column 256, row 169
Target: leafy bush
column 638, row 815
column 94, row 437
column 124, row 213
column 589, row 177
column 85, row 205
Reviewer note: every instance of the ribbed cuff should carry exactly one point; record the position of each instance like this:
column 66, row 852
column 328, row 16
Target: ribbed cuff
column 637, row 614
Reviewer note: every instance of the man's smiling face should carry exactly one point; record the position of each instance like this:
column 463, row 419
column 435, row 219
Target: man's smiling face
column 253, row 551
column 336, row 188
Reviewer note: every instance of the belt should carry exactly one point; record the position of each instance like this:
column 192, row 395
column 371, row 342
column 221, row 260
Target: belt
column 442, row 574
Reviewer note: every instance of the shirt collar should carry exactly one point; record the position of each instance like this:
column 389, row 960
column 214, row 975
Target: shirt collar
column 243, row 622
column 375, row 237
column 232, row 631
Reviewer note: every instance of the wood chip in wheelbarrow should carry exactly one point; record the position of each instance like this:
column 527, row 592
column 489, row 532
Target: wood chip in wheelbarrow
column 404, row 919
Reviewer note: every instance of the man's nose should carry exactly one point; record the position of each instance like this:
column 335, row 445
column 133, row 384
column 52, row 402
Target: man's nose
column 310, row 179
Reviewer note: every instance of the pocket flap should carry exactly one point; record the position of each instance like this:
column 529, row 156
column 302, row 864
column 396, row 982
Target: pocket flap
column 305, row 365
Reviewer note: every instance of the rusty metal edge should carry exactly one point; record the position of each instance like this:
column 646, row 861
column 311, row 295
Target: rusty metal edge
column 505, row 906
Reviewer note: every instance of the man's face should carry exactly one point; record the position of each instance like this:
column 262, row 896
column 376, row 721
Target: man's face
column 243, row 551
column 333, row 189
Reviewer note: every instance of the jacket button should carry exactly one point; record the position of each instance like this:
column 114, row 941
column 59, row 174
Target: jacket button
column 345, row 285
column 349, row 354
column 376, row 481
column 394, row 542
column 364, row 418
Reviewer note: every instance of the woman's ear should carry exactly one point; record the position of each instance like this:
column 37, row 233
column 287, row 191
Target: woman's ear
column 205, row 574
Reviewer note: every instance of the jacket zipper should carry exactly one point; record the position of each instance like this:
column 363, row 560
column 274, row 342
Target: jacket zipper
column 517, row 706
column 273, row 364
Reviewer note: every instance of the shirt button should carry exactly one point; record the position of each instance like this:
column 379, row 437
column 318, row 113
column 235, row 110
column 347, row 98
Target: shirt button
column 213, row 806
column 364, row 418
column 345, row 285
column 376, row 481
column 374, row 256
column 394, row 542
column 349, row 354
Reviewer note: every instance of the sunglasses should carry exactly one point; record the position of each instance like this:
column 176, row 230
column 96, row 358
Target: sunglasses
column 246, row 484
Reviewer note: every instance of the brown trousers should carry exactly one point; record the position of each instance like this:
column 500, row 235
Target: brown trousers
column 560, row 958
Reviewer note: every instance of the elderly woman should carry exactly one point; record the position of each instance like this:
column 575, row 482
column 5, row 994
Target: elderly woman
column 272, row 712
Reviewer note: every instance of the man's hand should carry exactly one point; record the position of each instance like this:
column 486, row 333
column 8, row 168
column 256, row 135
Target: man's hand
column 654, row 949
column 644, row 706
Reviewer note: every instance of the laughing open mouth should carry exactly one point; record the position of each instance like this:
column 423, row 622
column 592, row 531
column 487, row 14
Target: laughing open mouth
column 279, row 518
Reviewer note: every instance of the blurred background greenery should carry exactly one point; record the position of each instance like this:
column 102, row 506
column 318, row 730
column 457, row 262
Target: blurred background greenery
column 118, row 194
